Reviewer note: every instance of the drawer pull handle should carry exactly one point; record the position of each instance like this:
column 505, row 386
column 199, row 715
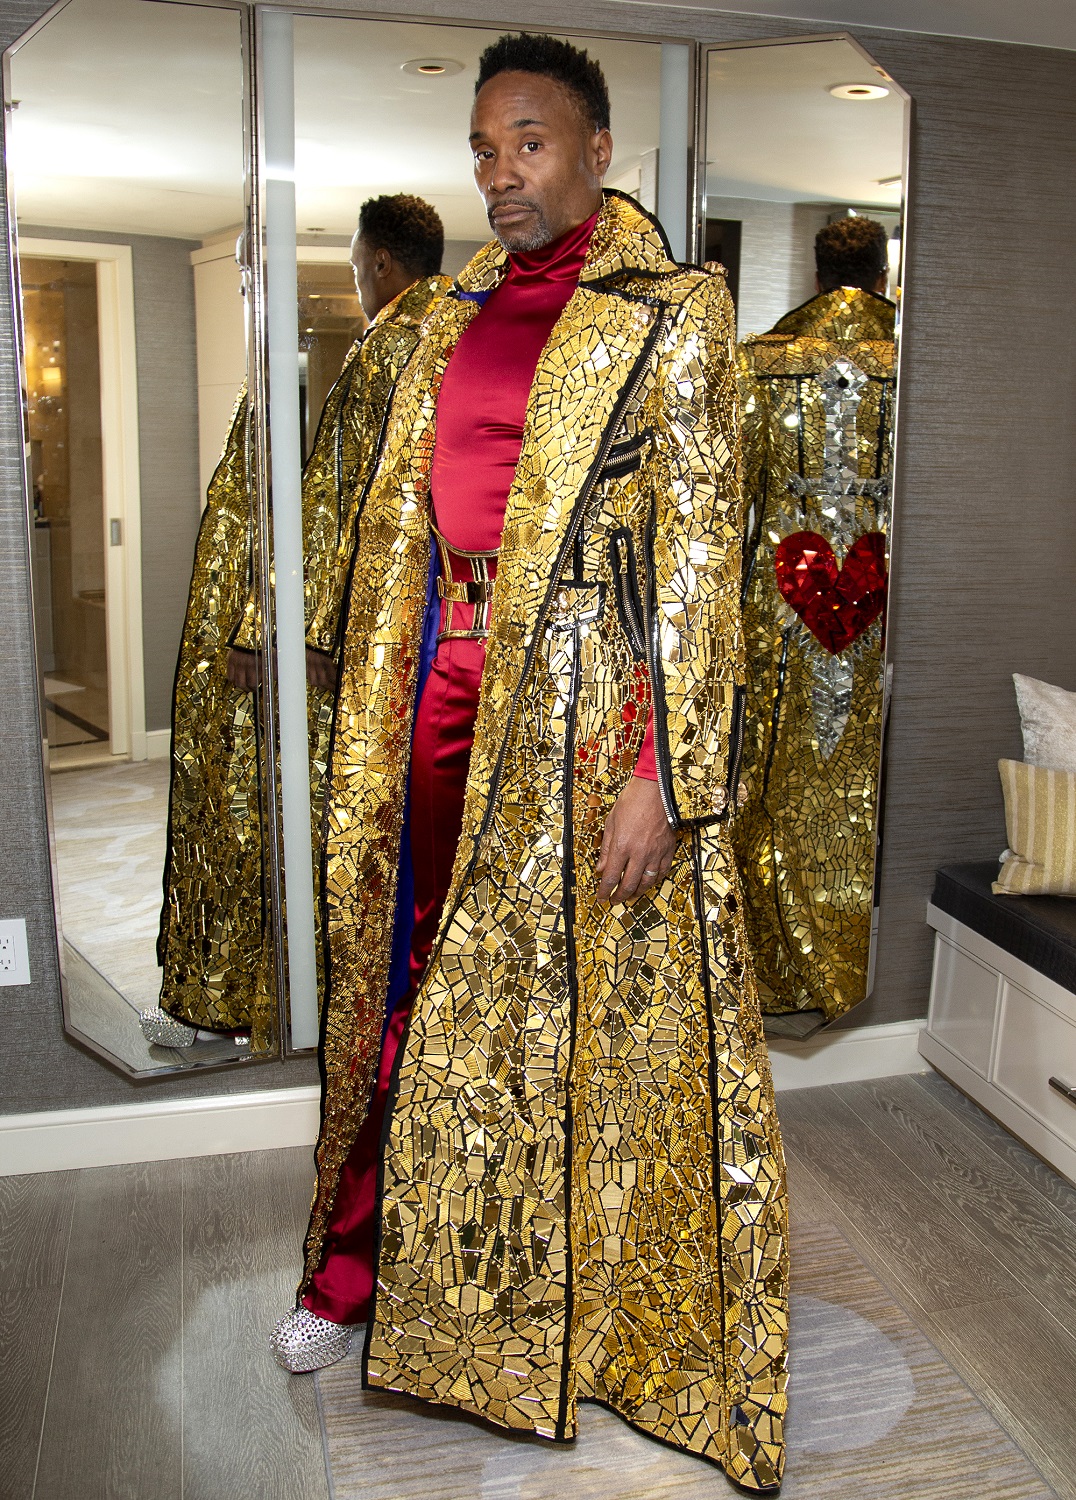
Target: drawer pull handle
column 1066, row 1090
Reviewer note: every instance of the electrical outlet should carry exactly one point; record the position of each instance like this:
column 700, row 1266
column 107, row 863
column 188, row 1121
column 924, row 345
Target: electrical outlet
column 14, row 954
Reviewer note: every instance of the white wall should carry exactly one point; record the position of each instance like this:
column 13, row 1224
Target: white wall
column 768, row 260
column 222, row 348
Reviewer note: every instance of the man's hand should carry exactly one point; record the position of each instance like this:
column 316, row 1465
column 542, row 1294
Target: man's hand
column 243, row 669
column 638, row 844
column 321, row 670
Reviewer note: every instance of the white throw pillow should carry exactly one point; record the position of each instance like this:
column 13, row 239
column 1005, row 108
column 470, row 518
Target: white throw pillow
column 1048, row 722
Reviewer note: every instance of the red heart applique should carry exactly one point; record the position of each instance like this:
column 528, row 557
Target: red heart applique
column 836, row 604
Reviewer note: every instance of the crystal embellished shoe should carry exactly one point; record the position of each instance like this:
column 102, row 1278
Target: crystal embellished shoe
column 302, row 1341
column 162, row 1030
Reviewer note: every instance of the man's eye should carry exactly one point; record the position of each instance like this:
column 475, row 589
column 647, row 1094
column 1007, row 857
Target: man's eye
column 482, row 155
column 531, row 145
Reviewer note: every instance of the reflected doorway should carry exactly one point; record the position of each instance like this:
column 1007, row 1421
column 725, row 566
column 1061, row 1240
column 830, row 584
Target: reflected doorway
column 63, row 415
column 330, row 320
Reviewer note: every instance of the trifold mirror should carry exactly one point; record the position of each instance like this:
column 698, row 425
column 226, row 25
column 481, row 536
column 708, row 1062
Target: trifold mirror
column 184, row 268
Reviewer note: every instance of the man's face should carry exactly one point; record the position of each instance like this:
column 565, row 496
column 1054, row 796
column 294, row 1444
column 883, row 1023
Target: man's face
column 367, row 283
column 538, row 162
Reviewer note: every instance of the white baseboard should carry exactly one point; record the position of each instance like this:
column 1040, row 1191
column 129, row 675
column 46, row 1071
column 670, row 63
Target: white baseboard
column 158, row 1130
column 151, row 744
column 158, row 744
column 848, row 1056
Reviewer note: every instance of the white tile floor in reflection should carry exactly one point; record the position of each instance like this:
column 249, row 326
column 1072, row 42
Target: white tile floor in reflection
column 110, row 824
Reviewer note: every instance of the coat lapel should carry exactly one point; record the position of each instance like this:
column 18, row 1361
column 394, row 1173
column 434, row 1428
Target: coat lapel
column 583, row 376
column 584, row 370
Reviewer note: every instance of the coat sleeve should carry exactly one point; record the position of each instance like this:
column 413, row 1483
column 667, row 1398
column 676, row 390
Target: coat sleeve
column 332, row 462
column 696, row 644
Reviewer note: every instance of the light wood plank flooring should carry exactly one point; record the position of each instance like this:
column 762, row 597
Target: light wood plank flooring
column 135, row 1301
column 135, row 1304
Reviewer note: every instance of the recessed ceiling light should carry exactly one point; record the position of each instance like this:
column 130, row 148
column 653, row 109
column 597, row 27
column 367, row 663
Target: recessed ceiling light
column 858, row 91
column 432, row 67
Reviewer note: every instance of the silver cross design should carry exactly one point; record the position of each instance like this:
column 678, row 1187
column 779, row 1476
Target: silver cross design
column 838, row 489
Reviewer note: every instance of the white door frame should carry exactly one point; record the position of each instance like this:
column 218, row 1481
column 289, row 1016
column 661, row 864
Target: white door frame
column 120, row 481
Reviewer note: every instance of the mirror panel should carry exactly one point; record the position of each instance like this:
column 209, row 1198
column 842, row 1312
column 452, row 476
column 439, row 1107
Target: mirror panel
column 379, row 108
column 805, row 165
column 126, row 163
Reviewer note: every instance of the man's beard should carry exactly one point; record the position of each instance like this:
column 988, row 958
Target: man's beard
column 516, row 239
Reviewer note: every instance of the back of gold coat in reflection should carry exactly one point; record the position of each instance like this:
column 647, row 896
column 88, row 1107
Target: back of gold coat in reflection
column 216, row 969
column 817, row 396
column 210, row 944
column 583, row 1187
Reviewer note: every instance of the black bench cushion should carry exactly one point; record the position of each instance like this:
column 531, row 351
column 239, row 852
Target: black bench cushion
column 1039, row 930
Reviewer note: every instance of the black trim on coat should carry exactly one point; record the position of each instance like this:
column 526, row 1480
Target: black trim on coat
column 713, row 1085
column 568, row 907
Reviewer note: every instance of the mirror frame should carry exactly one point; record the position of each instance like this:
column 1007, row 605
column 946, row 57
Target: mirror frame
column 888, row 663
column 260, row 529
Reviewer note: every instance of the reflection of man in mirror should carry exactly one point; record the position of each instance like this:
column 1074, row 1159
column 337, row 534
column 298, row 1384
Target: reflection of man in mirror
column 537, row 970
column 211, row 946
column 818, row 395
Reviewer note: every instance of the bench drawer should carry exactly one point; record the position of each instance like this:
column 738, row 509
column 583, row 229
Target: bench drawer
column 1034, row 1045
column 963, row 1004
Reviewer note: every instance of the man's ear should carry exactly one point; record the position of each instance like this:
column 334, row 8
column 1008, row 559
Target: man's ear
column 382, row 264
column 603, row 152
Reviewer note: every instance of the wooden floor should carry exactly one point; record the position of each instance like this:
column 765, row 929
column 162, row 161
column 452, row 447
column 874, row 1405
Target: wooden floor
column 135, row 1301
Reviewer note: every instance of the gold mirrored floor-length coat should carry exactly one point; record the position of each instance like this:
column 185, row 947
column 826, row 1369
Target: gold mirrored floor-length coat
column 583, row 1187
column 216, row 973
column 210, row 943
column 818, row 398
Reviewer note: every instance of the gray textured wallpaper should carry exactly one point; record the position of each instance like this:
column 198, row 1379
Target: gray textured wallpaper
column 985, row 519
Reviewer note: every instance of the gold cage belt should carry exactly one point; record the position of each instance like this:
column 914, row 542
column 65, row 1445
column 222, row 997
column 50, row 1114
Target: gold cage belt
column 476, row 590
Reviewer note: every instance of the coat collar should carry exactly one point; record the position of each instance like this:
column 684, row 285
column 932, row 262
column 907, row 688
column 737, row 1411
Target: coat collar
column 413, row 303
column 848, row 312
column 626, row 241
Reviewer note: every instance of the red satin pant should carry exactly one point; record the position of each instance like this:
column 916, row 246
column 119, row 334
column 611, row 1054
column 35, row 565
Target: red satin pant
column 444, row 732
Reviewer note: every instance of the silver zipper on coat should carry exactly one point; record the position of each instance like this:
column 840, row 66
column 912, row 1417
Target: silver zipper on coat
column 625, row 583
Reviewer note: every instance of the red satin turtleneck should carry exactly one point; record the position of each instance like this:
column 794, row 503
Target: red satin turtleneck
column 483, row 400
column 482, row 405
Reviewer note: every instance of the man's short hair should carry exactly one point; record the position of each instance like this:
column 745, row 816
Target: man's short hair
column 579, row 73
column 851, row 252
column 409, row 228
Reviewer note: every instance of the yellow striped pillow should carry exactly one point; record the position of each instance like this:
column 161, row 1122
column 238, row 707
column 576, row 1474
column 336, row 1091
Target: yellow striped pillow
column 1040, row 819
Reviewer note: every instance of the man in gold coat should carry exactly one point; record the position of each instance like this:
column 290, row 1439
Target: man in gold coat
column 582, row 1188
column 212, row 937
column 818, row 396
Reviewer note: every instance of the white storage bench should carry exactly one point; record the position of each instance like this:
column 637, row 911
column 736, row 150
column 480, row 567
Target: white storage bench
column 1002, row 1019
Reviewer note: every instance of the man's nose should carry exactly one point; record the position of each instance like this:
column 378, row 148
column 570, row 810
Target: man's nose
column 505, row 176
